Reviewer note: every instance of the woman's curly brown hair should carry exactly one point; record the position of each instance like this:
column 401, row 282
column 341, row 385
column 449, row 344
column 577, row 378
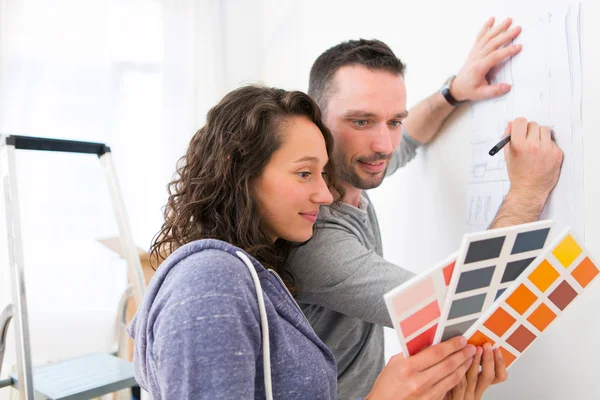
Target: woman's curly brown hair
column 212, row 193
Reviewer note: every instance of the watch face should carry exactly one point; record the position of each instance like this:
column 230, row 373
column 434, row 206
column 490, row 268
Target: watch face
column 446, row 85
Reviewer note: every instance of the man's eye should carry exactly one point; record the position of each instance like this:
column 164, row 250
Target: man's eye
column 396, row 124
column 360, row 122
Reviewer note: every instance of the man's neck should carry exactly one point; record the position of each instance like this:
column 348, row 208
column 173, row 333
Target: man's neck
column 352, row 195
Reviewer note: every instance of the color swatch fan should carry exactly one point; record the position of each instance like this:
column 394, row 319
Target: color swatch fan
column 538, row 296
column 415, row 306
column 487, row 263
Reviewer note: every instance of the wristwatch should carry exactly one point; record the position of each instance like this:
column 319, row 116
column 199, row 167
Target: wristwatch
column 445, row 91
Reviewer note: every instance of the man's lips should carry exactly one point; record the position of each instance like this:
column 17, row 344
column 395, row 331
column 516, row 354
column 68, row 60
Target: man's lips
column 373, row 167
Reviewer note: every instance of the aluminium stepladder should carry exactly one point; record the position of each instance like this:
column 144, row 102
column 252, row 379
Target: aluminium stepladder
column 83, row 377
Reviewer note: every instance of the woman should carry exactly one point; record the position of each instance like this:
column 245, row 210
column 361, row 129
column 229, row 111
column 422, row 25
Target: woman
column 219, row 320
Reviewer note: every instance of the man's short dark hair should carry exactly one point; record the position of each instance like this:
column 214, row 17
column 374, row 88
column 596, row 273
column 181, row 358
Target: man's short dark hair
column 372, row 54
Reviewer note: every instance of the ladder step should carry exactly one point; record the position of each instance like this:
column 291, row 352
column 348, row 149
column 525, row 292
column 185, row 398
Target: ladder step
column 82, row 378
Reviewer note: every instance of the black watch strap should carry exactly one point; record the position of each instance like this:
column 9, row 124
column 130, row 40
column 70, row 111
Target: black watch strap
column 445, row 91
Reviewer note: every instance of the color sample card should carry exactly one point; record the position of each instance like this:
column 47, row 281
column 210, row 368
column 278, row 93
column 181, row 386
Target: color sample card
column 415, row 306
column 536, row 298
column 487, row 263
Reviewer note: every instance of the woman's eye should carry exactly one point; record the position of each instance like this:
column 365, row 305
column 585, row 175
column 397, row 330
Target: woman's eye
column 304, row 174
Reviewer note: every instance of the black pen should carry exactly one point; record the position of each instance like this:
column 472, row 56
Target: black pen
column 504, row 141
column 499, row 145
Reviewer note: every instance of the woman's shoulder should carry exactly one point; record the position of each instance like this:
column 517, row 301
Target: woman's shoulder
column 205, row 273
column 204, row 265
column 207, row 278
column 203, row 294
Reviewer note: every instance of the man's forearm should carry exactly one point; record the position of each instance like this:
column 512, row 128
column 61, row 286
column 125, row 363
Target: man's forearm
column 426, row 118
column 517, row 209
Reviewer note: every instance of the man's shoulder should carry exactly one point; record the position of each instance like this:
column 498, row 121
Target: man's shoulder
column 331, row 241
column 342, row 218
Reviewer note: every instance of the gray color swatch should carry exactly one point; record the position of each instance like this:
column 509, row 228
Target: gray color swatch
column 475, row 279
column 466, row 306
column 484, row 249
column 457, row 330
column 514, row 269
column 499, row 293
column 527, row 241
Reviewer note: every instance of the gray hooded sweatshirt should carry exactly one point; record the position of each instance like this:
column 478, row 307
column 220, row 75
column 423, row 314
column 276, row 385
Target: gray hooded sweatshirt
column 198, row 332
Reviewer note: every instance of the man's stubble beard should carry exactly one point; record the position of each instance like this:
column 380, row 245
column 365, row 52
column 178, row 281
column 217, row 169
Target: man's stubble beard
column 349, row 175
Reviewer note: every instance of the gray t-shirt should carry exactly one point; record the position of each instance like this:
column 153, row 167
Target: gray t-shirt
column 342, row 277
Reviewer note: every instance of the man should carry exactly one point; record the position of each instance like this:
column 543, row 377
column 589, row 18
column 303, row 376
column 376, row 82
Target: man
column 341, row 273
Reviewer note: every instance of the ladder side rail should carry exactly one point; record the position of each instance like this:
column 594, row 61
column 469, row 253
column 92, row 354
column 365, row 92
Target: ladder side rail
column 15, row 251
column 134, row 266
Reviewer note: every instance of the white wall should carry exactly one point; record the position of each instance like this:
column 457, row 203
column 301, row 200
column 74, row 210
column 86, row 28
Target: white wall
column 422, row 208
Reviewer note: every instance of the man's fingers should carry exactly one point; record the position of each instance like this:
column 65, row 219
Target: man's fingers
column 458, row 392
column 507, row 130
column 451, row 380
column 518, row 131
column 485, row 29
column 435, row 354
column 473, row 372
column 497, row 56
column 546, row 136
column 490, row 91
column 488, row 371
column 495, row 31
column 533, row 132
column 449, row 365
column 501, row 374
column 501, row 40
